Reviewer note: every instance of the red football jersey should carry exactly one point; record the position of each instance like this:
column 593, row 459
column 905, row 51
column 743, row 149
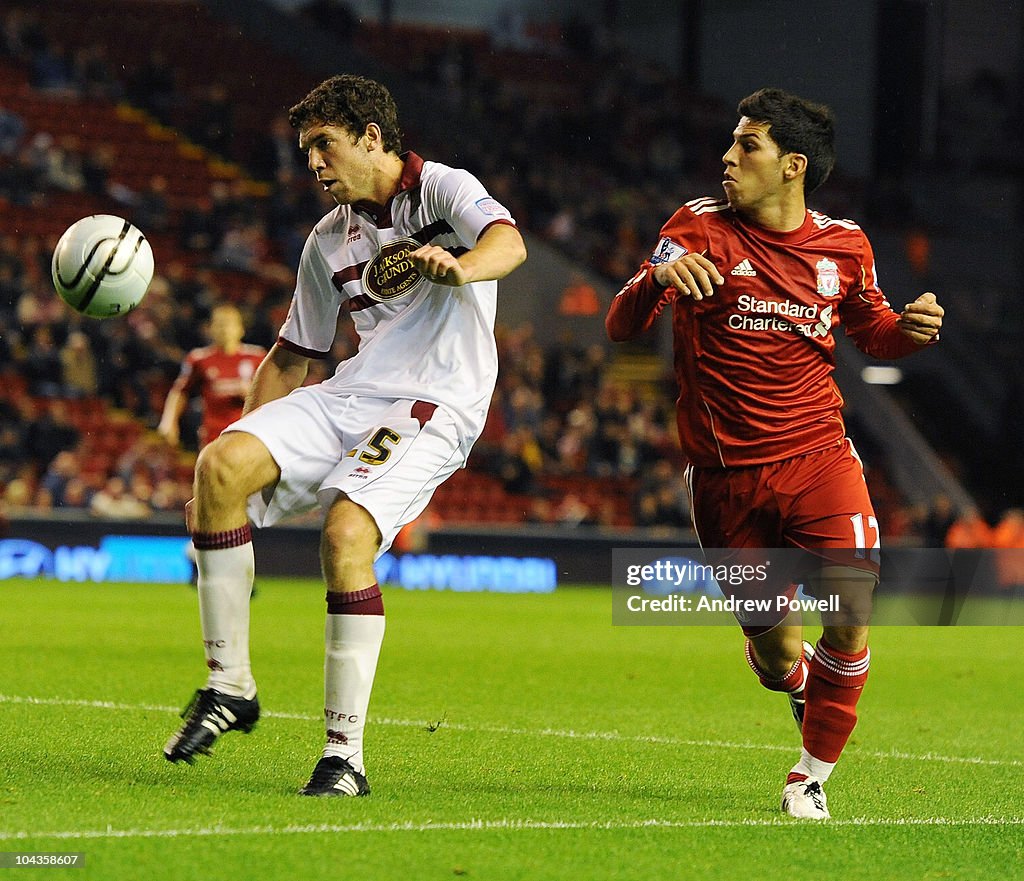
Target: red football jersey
column 754, row 362
column 222, row 380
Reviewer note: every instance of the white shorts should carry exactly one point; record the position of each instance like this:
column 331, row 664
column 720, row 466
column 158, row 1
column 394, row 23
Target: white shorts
column 386, row 455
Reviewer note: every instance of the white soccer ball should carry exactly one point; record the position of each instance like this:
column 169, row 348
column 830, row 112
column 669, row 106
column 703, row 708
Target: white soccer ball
column 102, row 266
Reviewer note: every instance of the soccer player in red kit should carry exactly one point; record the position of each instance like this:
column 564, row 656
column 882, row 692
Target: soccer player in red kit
column 758, row 284
column 221, row 373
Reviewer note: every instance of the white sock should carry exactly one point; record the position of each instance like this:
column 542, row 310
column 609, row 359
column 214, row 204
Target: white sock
column 812, row 767
column 352, row 645
column 225, row 584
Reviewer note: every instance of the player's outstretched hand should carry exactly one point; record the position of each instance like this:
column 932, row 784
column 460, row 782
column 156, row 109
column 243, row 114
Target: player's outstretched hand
column 439, row 266
column 693, row 275
column 922, row 319
column 169, row 432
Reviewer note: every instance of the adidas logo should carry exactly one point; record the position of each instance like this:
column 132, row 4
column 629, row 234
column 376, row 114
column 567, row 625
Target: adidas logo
column 743, row 268
column 348, row 784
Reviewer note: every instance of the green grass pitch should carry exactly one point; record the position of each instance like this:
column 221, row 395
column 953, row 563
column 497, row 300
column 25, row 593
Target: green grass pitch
column 510, row 737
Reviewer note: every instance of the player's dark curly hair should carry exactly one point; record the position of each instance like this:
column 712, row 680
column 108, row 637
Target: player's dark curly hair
column 797, row 126
column 352, row 102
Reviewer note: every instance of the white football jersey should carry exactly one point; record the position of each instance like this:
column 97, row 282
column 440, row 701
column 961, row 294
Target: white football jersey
column 417, row 340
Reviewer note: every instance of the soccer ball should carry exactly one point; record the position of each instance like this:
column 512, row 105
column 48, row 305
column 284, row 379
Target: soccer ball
column 102, row 266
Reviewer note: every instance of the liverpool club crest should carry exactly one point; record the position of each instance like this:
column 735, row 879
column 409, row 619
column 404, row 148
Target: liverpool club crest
column 828, row 277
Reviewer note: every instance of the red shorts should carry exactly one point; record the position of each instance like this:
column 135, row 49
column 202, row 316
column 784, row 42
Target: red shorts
column 817, row 502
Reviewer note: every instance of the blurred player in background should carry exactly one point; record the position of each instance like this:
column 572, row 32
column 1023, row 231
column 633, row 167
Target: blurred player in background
column 413, row 251
column 220, row 373
column 758, row 284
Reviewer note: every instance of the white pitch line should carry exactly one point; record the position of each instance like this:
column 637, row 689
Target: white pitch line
column 477, row 825
column 569, row 734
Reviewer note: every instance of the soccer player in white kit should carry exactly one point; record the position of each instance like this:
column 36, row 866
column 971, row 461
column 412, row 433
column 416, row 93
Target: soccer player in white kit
column 413, row 251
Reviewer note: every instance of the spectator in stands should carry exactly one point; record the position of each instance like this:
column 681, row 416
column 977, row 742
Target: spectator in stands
column 76, row 494
column 149, row 457
column 10, row 291
column 194, row 293
column 10, row 254
column 140, row 488
column 51, row 70
column 611, row 444
column 124, row 367
column 39, row 306
column 59, row 165
column 51, row 432
column 13, row 441
column 563, row 372
column 153, row 87
column 646, row 513
column 78, row 366
column 93, row 73
column 96, row 168
column 42, row 499
column 170, row 496
column 41, row 365
column 242, row 248
column 662, row 499
column 151, row 211
column 197, row 231
column 115, row 502
column 17, row 495
column 523, row 408
column 212, row 119
column 276, row 154
column 8, row 342
column 291, row 202
column 539, row 510
column 518, row 462
column 20, row 178
column 548, row 436
column 13, row 26
column 157, row 354
column 36, row 254
column 577, row 436
column 64, row 468
column 573, row 511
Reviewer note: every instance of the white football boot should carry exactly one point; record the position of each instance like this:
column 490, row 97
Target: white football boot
column 806, row 800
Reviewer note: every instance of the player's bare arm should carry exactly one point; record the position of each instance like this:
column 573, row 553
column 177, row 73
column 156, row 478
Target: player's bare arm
column 922, row 319
column 498, row 251
column 280, row 373
column 693, row 275
column 174, row 407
